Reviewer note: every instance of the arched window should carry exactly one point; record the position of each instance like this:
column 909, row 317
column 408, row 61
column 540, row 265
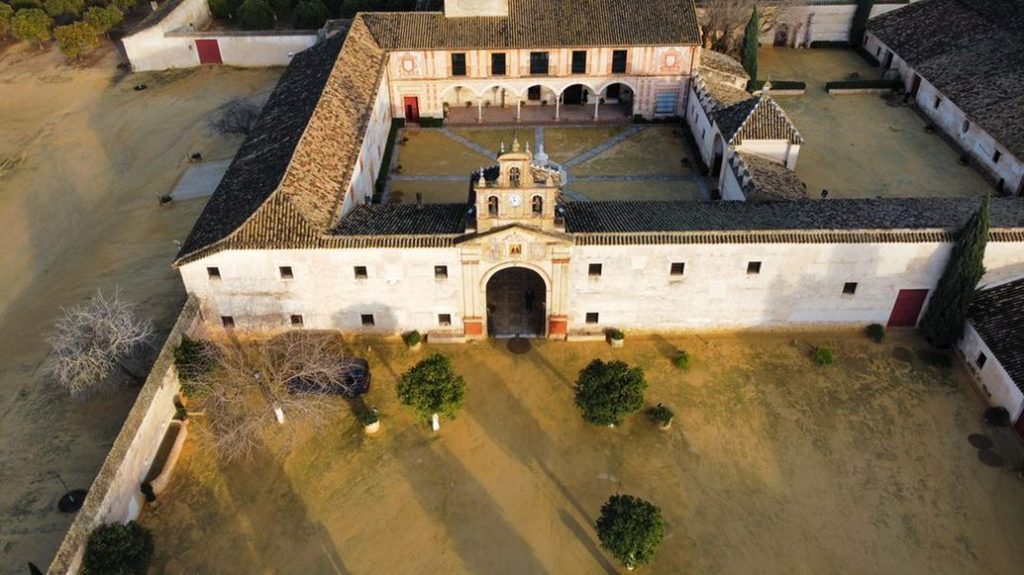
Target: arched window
column 538, row 205
column 514, row 177
column 492, row 206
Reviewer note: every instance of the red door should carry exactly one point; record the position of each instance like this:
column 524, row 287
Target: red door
column 412, row 109
column 209, row 51
column 907, row 307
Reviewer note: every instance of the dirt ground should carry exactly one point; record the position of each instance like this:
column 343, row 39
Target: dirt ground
column 85, row 158
column 773, row 465
column 858, row 146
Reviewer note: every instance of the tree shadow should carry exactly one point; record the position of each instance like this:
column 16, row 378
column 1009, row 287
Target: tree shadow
column 587, row 539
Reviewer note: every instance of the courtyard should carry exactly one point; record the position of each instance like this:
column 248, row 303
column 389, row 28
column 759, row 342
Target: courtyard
column 606, row 162
column 773, row 464
column 862, row 146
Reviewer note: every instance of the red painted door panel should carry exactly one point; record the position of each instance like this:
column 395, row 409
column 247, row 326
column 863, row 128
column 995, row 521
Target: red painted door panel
column 907, row 308
column 209, row 51
column 412, row 109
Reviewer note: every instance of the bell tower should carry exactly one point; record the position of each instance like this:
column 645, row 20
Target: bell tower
column 521, row 193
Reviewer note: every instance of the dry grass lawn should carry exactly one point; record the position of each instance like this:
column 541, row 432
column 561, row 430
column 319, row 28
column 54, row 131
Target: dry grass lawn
column 431, row 153
column 563, row 144
column 492, row 139
column 774, row 465
column 657, row 150
column 434, row 192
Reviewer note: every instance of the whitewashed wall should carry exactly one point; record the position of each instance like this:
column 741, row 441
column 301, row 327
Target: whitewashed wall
column 371, row 153
column 992, row 379
column 700, row 125
column 950, row 119
column 820, row 23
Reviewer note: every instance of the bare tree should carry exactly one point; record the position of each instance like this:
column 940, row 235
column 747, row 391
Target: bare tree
column 235, row 116
column 257, row 382
column 723, row 21
column 93, row 339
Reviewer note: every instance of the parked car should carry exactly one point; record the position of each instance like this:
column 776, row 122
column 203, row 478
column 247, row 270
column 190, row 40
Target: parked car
column 354, row 381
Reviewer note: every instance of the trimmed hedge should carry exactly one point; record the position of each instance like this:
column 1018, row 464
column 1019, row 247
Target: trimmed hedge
column 831, row 44
column 862, row 85
column 782, row 84
column 427, row 122
column 385, row 162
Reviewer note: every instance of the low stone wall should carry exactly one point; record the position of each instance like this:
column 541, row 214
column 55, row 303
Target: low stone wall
column 115, row 493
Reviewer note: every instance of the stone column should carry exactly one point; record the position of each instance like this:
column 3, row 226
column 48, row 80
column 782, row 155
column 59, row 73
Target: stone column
column 479, row 110
column 519, row 109
column 597, row 102
column 558, row 102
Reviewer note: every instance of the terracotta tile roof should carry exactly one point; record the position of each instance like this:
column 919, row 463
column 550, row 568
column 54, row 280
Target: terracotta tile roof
column 404, row 219
column 722, row 63
column 972, row 51
column 997, row 314
column 544, row 24
column 768, row 181
column 756, row 119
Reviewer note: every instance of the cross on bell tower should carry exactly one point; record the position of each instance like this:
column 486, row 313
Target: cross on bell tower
column 521, row 192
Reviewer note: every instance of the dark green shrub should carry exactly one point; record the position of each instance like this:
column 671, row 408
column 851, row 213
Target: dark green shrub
column 781, row 85
column 310, row 14
column 683, row 360
column 860, row 21
column 616, row 335
column 751, row 44
column 104, row 19
column 123, row 5
column 26, row 4
column 876, row 332
column 367, row 416
column 823, row 355
column 427, row 122
column 6, row 13
column 223, row 9
column 282, row 8
column 76, row 39
column 61, row 7
column 194, row 359
column 432, row 386
column 255, row 15
column 607, row 392
column 661, row 414
column 118, row 549
column 31, row 25
column 862, row 85
column 412, row 338
column 631, row 529
column 385, row 163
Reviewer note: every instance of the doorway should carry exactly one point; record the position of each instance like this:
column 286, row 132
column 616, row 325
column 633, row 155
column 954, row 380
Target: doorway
column 516, row 303
column 573, row 95
column 209, row 51
column 908, row 306
column 412, row 109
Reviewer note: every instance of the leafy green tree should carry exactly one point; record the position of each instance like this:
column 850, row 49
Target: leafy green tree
column 750, row 44
column 607, row 392
column 103, row 19
column 255, row 15
column 282, row 8
column 432, row 386
column 194, row 360
column 19, row 4
column 31, row 25
column 61, row 7
column 76, row 39
column 224, row 9
column 860, row 21
column 631, row 529
column 6, row 13
column 943, row 321
column 310, row 14
column 123, row 5
column 118, row 549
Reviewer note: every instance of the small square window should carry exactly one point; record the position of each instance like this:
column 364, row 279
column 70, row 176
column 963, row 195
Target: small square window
column 440, row 272
column 444, row 319
column 996, row 156
column 296, row 320
column 213, row 273
column 753, row 268
column 878, row 51
column 367, row 319
column 938, row 102
column 594, row 270
column 360, row 272
column 579, row 62
column 678, row 268
column 850, row 288
column 592, row 317
column 286, row 272
column 459, row 64
column 982, row 359
column 618, row 62
column 227, row 321
column 498, row 64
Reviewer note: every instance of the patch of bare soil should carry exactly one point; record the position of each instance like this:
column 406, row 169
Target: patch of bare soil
column 83, row 161
column 773, row 465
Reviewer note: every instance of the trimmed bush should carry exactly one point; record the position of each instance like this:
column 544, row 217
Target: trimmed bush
column 876, row 332
column 255, row 15
column 123, row 5
column 6, row 13
column 631, row 529
column 194, row 360
column 684, row 360
column 103, row 19
column 831, row 44
column 781, row 84
column 862, row 85
column 118, row 548
column 31, row 25
column 310, row 14
column 412, row 338
column 661, row 414
column 607, row 392
column 616, row 335
column 823, row 355
column 60, row 7
column 432, row 386
column 427, row 122
column 76, row 39
column 367, row 416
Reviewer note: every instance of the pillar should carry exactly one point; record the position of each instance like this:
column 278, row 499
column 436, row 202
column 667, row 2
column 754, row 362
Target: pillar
column 597, row 102
column 479, row 110
column 519, row 109
column 558, row 101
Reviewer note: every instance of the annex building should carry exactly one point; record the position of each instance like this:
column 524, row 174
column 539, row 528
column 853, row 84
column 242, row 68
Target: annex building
column 292, row 238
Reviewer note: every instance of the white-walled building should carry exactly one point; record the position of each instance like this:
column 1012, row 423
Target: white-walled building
column 962, row 61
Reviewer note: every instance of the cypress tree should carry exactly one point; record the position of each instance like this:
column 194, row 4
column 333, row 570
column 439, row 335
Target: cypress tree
column 860, row 21
column 943, row 321
column 751, row 44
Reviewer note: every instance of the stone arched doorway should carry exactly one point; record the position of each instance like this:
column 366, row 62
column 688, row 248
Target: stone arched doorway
column 516, row 303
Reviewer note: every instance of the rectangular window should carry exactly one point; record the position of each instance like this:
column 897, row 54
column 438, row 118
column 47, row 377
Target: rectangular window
column 665, row 103
column 366, row 319
column 594, row 270
column 286, row 272
column 444, row 319
column 360, row 272
column 296, row 320
column 753, row 268
column 982, row 358
column 592, row 317
column 533, row 93
column 678, row 268
column 938, row 102
column 618, row 62
column 440, row 272
column 996, row 156
column 538, row 63
column 579, row 62
column 213, row 273
column 850, row 288
column 498, row 64
column 458, row 64
column 227, row 321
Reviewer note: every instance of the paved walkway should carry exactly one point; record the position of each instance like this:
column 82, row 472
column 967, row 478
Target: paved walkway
column 604, row 146
column 469, row 144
